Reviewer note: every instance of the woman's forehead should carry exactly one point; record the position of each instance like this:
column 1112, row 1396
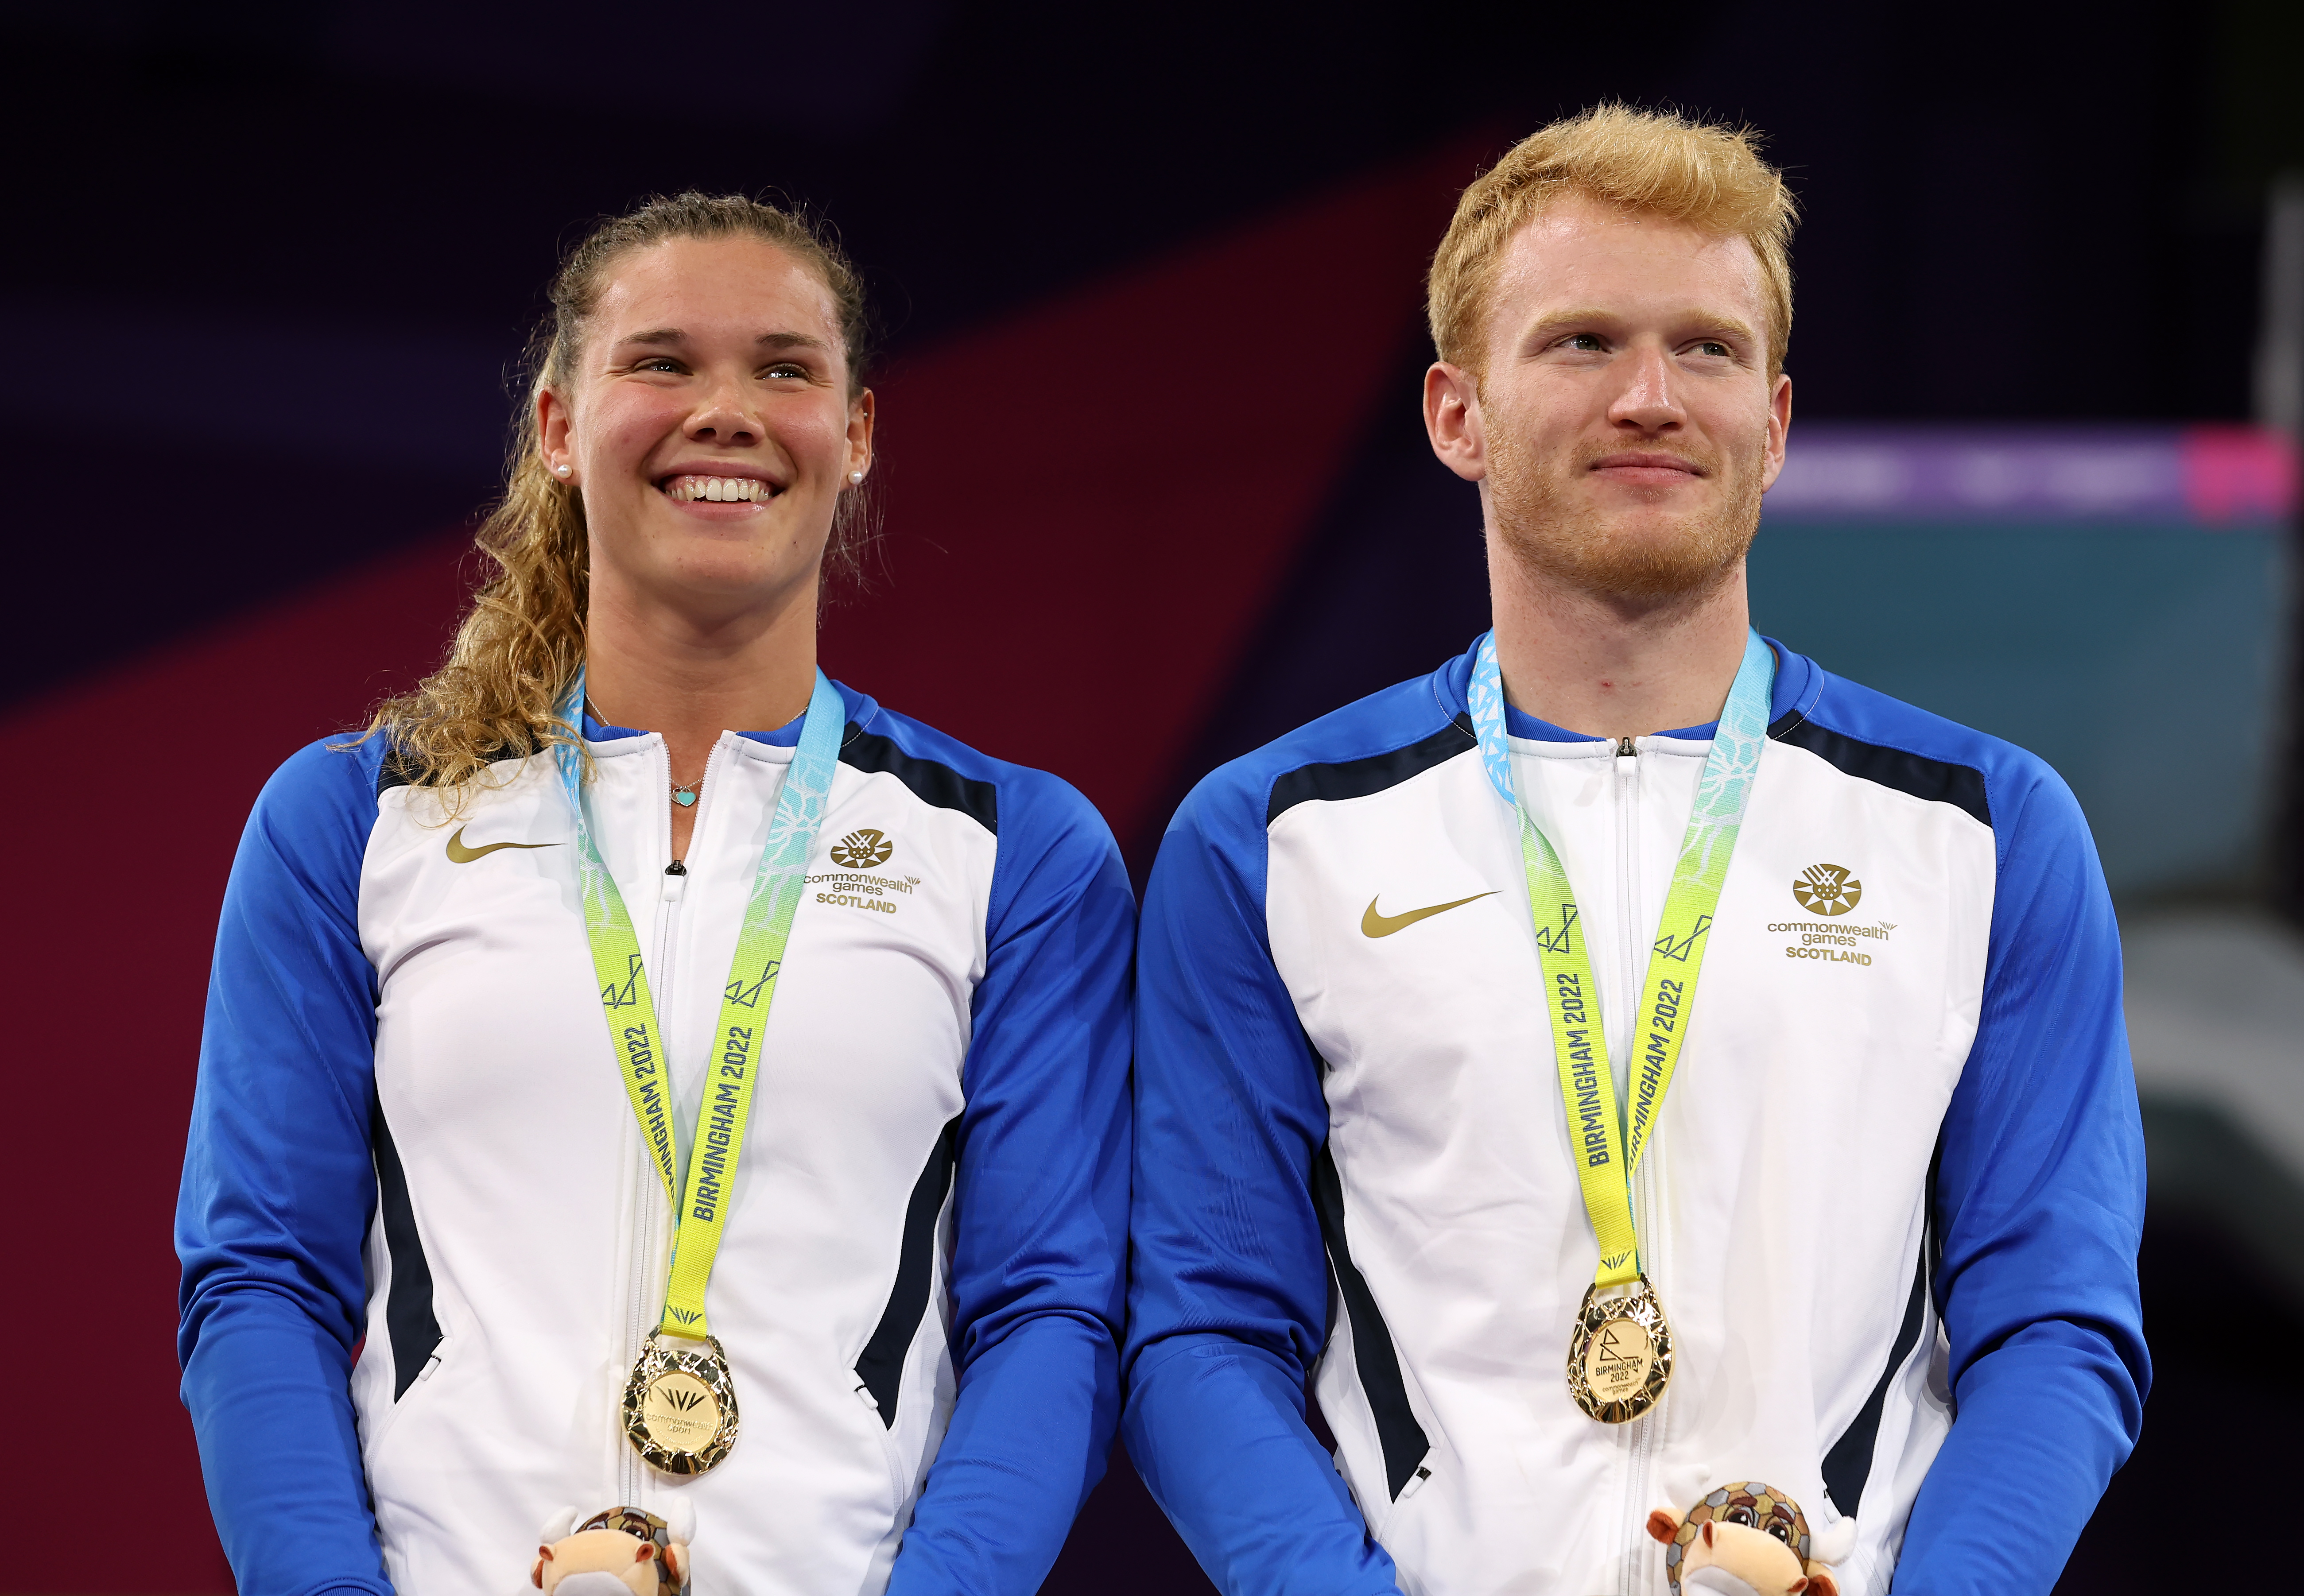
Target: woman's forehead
column 706, row 285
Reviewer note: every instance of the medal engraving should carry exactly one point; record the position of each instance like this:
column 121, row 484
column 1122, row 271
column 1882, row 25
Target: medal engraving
column 680, row 1406
column 1620, row 1356
column 1617, row 1357
column 680, row 1412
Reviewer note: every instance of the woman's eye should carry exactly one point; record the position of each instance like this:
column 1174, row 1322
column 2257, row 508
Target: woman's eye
column 659, row 363
column 787, row 371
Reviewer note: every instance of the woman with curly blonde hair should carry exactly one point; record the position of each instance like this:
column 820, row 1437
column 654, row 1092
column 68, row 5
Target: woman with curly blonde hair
column 647, row 1082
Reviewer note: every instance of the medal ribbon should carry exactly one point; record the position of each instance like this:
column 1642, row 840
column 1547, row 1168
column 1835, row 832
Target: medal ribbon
column 1609, row 1150
column 700, row 1208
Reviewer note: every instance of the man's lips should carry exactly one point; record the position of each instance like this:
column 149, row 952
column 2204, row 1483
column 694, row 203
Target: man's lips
column 1646, row 467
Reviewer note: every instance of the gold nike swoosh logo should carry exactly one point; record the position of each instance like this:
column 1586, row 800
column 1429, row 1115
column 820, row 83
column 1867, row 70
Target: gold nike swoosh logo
column 458, row 854
column 1375, row 924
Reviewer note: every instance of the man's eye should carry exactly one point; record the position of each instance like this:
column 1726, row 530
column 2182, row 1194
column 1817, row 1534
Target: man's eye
column 1714, row 348
column 1589, row 342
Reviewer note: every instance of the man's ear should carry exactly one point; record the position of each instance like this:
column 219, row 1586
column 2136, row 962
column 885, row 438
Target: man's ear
column 1452, row 422
column 1663, row 1523
column 1780, row 424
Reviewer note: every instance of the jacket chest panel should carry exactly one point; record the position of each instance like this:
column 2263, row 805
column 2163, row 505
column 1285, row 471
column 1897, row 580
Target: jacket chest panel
column 493, row 1051
column 1806, row 1091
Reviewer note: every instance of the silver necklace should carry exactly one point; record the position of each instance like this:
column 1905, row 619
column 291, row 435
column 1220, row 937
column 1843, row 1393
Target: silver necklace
column 683, row 793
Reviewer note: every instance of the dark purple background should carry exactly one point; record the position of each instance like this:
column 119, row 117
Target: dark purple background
column 269, row 264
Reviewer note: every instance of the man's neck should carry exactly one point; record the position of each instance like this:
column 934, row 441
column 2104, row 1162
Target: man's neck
column 1612, row 668
column 661, row 669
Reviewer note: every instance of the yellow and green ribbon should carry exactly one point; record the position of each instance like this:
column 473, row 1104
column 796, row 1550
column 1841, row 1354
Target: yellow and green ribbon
column 700, row 1203
column 1606, row 1147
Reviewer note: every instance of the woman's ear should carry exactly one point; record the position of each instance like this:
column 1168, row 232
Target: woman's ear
column 861, row 417
column 553, row 419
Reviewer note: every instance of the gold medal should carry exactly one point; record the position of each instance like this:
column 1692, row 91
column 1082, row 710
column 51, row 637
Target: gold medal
column 1620, row 1356
column 679, row 1406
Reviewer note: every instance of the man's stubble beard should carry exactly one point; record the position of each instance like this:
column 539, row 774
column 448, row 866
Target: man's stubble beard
column 1558, row 538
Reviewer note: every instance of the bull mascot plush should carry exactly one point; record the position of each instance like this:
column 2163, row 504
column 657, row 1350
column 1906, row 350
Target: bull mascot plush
column 1748, row 1539
column 623, row 1552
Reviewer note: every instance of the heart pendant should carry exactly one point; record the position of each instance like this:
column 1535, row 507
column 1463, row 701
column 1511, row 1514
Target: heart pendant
column 683, row 797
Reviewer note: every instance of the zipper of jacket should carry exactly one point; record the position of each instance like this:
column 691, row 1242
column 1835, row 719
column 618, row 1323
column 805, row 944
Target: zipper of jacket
column 1629, row 972
column 1648, row 1428
column 1626, row 767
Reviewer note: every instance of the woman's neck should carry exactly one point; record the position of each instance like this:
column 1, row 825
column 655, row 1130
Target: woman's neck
column 662, row 668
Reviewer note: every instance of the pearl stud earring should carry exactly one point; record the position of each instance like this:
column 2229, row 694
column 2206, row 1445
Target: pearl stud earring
column 562, row 470
column 855, row 476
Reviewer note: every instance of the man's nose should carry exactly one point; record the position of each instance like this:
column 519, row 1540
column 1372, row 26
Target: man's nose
column 1651, row 400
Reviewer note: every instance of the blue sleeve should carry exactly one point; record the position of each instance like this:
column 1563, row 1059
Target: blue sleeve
column 2040, row 1205
column 279, row 1184
column 1040, row 1208
column 1228, row 1295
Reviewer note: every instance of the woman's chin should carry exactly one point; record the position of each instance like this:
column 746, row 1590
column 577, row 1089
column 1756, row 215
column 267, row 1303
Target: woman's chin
column 741, row 575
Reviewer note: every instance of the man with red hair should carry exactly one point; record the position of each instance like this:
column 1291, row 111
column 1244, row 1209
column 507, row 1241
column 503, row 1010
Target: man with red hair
column 1631, row 1061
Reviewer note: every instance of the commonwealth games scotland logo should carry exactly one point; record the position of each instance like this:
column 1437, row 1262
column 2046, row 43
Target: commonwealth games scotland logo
column 865, row 849
column 1827, row 890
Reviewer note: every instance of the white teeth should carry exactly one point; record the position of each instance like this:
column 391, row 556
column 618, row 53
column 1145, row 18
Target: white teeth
column 718, row 490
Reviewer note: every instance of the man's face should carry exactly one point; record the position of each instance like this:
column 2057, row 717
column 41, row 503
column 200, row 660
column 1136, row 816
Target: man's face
column 1624, row 426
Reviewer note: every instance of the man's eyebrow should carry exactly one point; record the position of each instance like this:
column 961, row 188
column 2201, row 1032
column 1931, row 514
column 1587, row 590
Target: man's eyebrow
column 1551, row 321
column 1733, row 326
column 1559, row 321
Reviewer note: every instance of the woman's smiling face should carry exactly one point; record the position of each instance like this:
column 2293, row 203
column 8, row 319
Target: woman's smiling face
column 708, row 425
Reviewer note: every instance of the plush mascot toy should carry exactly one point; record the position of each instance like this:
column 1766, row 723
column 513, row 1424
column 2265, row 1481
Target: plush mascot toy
column 621, row 1552
column 1748, row 1539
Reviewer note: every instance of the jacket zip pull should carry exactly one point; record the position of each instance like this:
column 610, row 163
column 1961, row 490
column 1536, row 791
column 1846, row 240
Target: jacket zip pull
column 1624, row 749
